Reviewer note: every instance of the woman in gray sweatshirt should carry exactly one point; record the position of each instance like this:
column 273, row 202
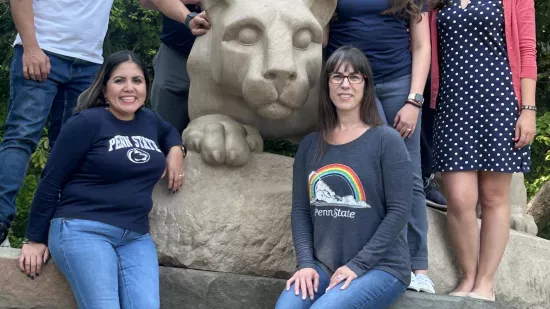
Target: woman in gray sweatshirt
column 352, row 188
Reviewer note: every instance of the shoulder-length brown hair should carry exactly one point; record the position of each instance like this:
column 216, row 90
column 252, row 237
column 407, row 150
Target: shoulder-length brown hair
column 93, row 97
column 328, row 118
column 439, row 4
column 411, row 9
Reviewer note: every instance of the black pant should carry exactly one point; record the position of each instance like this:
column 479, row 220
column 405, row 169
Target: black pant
column 426, row 134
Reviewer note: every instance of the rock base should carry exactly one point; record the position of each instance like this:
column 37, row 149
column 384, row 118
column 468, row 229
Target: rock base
column 186, row 288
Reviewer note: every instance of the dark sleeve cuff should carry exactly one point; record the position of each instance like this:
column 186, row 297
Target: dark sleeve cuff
column 306, row 265
column 356, row 268
column 39, row 237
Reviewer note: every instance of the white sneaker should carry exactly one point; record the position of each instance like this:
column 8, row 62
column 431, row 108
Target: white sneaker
column 413, row 285
column 424, row 284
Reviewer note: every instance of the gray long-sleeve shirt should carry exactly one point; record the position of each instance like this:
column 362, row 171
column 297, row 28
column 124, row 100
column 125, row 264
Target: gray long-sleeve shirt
column 352, row 206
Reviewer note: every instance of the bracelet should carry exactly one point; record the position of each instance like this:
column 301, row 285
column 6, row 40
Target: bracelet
column 26, row 241
column 414, row 102
column 529, row 107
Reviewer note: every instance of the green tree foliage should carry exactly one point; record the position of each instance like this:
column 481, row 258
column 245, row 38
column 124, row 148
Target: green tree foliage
column 134, row 28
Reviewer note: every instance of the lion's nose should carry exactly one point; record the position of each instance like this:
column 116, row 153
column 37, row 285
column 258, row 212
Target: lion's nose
column 276, row 74
column 280, row 77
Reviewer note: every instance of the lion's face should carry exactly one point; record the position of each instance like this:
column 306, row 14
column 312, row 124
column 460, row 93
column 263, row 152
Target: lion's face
column 267, row 51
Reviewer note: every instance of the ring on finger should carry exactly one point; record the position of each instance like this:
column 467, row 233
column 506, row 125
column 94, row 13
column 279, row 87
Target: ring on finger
column 340, row 277
column 181, row 175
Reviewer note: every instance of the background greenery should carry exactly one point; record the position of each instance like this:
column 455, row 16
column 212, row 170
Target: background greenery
column 137, row 29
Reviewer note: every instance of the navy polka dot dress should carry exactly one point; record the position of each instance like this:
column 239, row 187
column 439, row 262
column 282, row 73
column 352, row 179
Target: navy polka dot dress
column 477, row 108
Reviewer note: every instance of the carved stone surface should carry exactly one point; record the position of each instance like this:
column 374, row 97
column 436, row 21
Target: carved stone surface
column 520, row 220
column 187, row 288
column 49, row 291
column 228, row 219
column 539, row 207
column 254, row 75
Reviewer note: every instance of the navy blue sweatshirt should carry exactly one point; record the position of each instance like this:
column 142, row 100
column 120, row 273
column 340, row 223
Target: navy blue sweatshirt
column 103, row 169
column 352, row 206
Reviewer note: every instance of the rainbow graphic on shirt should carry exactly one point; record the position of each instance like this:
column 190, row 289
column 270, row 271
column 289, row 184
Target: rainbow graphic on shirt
column 320, row 193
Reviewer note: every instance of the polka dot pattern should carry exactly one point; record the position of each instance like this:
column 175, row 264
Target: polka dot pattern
column 477, row 107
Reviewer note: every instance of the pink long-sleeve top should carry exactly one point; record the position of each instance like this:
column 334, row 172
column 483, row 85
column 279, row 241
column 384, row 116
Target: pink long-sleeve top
column 519, row 24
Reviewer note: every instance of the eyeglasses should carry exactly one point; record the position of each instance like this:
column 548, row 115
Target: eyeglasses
column 353, row 78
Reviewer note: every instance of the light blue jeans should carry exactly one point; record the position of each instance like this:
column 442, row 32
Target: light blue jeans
column 374, row 290
column 106, row 266
column 392, row 95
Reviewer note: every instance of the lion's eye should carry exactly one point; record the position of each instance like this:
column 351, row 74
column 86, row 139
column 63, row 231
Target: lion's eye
column 248, row 36
column 302, row 39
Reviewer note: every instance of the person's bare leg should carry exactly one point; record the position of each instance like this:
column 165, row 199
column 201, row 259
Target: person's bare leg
column 494, row 193
column 461, row 191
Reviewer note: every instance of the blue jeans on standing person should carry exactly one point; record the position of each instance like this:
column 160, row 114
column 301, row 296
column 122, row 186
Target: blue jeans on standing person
column 107, row 267
column 392, row 95
column 29, row 104
column 374, row 290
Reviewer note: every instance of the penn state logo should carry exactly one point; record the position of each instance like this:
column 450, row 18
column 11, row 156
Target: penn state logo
column 138, row 156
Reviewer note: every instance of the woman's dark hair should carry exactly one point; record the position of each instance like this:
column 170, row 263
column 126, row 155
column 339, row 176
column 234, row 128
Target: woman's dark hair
column 411, row 9
column 439, row 4
column 328, row 118
column 93, row 97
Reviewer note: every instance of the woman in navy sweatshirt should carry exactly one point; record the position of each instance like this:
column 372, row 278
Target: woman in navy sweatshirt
column 352, row 187
column 91, row 206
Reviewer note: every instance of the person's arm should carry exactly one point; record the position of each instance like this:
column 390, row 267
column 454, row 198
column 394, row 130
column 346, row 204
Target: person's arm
column 148, row 4
column 398, row 191
column 177, row 11
column 302, row 226
column 68, row 153
column 170, row 143
column 36, row 65
column 421, row 53
column 407, row 118
column 70, row 149
column 526, row 124
column 168, row 135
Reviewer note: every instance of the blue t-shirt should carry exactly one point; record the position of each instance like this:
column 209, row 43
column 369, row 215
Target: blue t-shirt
column 176, row 35
column 383, row 38
column 103, row 169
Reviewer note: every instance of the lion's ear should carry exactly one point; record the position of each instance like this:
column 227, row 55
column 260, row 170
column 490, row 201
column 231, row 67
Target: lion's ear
column 321, row 9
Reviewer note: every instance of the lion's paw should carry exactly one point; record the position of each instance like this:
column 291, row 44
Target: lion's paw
column 523, row 223
column 221, row 140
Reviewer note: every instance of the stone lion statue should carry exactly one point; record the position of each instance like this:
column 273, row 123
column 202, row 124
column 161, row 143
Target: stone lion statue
column 254, row 75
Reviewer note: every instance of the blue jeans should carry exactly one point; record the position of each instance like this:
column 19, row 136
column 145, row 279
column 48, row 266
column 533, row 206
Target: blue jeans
column 376, row 289
column 393, row 94
column 28, row 108
column 106, row 266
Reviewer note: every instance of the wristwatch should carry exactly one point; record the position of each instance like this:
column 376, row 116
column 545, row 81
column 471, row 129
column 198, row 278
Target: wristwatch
column 417, row 97
column 189, row 17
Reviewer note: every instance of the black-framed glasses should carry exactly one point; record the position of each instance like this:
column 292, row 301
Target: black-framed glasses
column 353, row 78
